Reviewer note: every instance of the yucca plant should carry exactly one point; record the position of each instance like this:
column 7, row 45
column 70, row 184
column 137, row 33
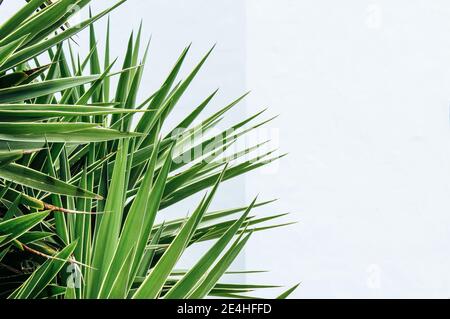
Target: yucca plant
column 85, row 169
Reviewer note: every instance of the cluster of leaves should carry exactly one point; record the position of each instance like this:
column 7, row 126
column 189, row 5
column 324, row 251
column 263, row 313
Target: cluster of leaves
column 84, row 172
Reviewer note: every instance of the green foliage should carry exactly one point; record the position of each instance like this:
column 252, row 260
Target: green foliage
column 84, row 175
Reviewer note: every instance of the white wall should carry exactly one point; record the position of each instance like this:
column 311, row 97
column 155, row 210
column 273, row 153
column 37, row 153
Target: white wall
column 363, row 89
